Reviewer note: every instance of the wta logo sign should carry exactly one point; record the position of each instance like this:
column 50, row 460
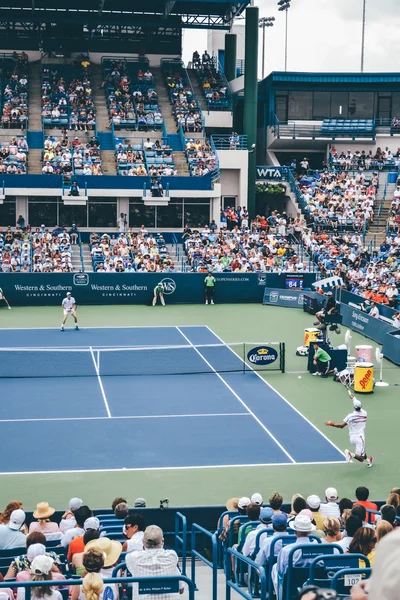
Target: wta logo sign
column 262, row 355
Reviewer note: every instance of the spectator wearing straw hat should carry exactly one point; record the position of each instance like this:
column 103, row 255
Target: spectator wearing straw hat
column 43, row 513
column 99, row 557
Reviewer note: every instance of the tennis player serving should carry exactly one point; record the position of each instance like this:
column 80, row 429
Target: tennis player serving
column 69, row 306
column 357, row 421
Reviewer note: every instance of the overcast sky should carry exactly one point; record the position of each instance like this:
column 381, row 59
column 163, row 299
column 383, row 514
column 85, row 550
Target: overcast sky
column 324, row 35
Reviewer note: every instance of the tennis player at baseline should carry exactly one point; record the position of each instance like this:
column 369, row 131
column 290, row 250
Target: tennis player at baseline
column 69, row 307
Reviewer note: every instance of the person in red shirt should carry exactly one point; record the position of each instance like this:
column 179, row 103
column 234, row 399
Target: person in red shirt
column 362, row 495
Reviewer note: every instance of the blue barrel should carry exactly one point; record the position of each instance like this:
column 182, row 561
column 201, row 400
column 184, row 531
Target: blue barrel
column 392, row 177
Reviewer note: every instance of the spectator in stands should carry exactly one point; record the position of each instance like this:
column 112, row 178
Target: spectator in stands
column 80, row 514
column 331, row 507
column 11, row 506
column 353, row 523
column 68, row 520
column 41, row 571
column 43, row 513
column 121, row 510
column 265, row 519
column 22, row 562
column 303, row 527
column 362, row 495
column 364, row 542
column 11, row 535
column 111, row 550
column 134, row 526
column 155, row 560
column 94, row 561
column 77, row 544
column 359, row 511
column 275, row 502
column 279, row 524
column 77, row 558
column 389, row 513
column 314, row 503
column 331, row 529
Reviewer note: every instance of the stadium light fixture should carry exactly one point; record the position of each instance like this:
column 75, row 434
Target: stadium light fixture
column 263, row 23
column 284, row 5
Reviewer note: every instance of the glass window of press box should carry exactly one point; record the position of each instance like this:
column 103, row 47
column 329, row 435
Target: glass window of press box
column 306, row 105
column 51, row 211
column 179, row 211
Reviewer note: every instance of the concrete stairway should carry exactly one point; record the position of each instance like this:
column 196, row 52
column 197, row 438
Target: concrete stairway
column 76, row 259
column 96, row 79
column 163, row 100
column 377, row 230
column 108, row 162
column 181, row 163
column 177, row 260
column 35, row 161
column 197, row 90
column 35, row 95
column 87, row 258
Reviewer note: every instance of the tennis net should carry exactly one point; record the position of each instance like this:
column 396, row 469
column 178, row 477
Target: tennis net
column 157, row 360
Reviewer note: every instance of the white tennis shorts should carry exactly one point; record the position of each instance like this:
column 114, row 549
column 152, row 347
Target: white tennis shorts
column 358, row 441
column 69, row 312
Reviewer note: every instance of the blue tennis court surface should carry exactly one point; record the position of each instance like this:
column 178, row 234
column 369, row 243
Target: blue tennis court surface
column 98, row 414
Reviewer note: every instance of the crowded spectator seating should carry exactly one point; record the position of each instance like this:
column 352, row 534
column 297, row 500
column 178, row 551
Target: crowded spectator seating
column 14, row 91
column 348, row 127
column 212, row 81
column 131, row 98
column 35, row 251
column 339, row 200
column 265, row 247
column 185, row 107
column 149, row 157
column 67, row 99
column 69, row 155
column 329, row 541
column 201, row 157
column 130, row 252
column 13, row 155
column 360, row 160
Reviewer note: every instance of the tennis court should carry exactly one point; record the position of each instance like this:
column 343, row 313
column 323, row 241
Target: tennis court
column 143, row 398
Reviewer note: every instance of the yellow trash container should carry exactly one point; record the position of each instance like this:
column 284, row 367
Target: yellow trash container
column 364, row 378
column 311, row 335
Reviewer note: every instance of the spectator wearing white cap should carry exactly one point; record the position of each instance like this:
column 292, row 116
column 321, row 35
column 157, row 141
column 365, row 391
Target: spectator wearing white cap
column 41, row 572
column 303, row 527
column 331, row 507
column 77, row 545
column 155, row 561
column 23, row 562
column 279, row 524
column 257, row 499
column 11, row 535
column 68, row 519
column 314, row 503
column 33, row 552
column 265, row 518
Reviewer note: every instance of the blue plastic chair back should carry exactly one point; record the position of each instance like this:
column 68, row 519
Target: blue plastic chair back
column 324, row 567
column 343, row 580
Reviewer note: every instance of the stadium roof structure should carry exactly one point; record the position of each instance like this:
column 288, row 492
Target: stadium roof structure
column 216, row 14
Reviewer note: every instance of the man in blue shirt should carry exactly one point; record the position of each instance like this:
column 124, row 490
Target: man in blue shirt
column 279, row 523
column 303, row 527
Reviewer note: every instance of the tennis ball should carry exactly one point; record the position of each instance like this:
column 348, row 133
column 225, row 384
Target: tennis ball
column 299, row 377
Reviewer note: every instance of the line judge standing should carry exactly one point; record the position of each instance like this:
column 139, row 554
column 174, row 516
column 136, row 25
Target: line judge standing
column 209, row 283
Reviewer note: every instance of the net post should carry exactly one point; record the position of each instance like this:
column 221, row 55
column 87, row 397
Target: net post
column 282, row 349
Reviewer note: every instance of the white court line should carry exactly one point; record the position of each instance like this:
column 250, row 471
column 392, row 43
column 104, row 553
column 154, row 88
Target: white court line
column 101, row 327
column 100, row 382
column 130, row 469
column 237, row 396
column 280, row 395
column 243, row 414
